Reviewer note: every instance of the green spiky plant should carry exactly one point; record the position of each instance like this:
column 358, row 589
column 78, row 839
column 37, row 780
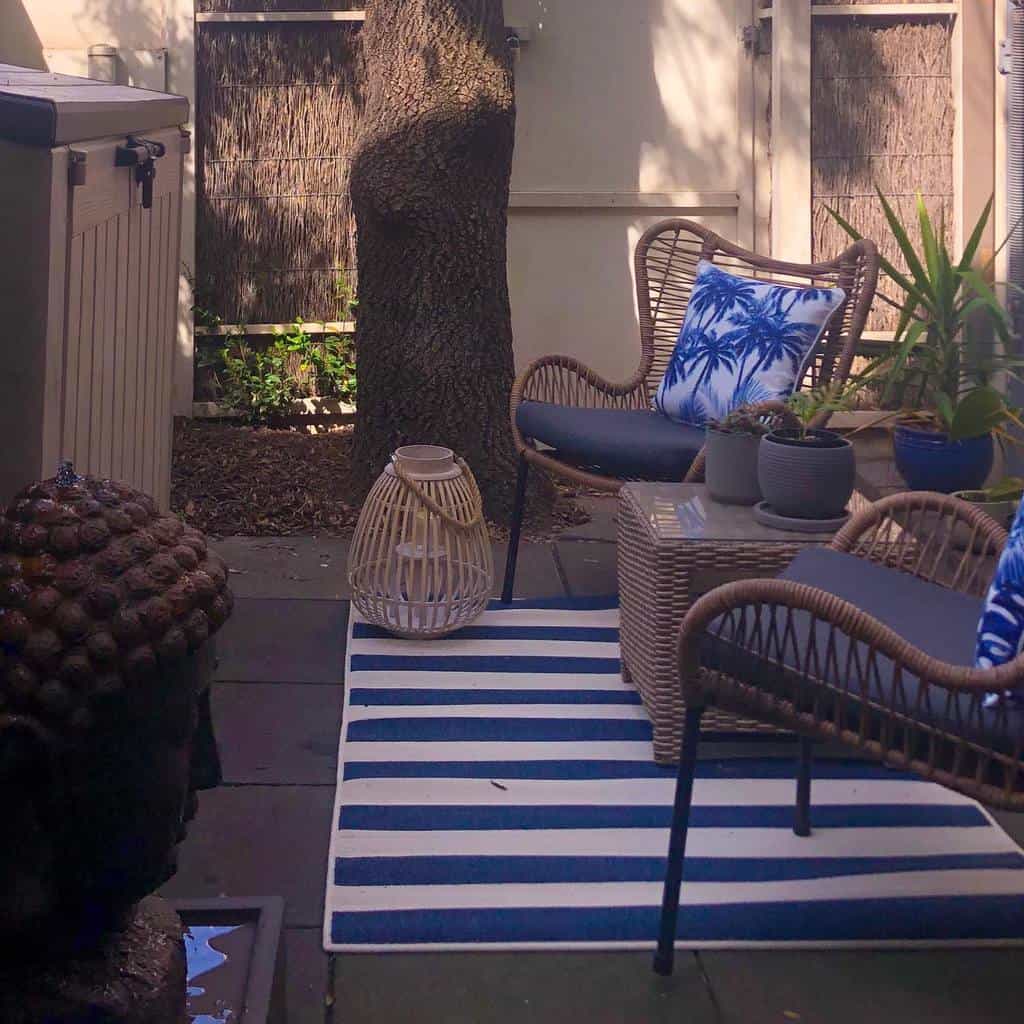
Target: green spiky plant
column 952, row 337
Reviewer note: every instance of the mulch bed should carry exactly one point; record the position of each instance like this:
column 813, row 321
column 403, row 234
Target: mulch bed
column 229, row 480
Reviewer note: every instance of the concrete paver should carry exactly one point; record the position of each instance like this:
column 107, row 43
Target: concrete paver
column 252, row 841
column 282, row 733
column 283, row 640
column 277, row 714
column 844, row 987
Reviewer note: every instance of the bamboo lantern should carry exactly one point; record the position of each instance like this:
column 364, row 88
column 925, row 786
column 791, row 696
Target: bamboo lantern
column 420, row 564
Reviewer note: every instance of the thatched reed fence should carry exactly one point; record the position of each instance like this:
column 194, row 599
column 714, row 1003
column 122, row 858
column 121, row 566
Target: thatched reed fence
column 882, row 113
column 277, row 107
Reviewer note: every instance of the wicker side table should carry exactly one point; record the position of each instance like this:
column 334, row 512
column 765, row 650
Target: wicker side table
column 675, row 544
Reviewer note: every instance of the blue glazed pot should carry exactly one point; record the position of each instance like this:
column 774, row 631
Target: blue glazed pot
column 929, row 461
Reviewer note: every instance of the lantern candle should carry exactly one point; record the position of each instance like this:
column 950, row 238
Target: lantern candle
column 421, row 563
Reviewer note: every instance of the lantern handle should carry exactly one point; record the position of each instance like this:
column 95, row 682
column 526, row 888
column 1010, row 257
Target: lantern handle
column 433, row 507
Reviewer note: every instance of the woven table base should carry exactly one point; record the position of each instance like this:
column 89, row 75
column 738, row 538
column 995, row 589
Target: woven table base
column 659, row 578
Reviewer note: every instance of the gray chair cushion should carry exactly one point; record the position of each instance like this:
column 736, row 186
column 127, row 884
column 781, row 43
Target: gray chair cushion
column 941, row 622
column 629, row 443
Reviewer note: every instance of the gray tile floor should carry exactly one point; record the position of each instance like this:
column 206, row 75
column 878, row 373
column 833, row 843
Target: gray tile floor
column 277, row 707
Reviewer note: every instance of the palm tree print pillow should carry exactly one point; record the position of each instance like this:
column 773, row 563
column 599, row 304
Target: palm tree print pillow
column 1001, row 629
column 742, row 341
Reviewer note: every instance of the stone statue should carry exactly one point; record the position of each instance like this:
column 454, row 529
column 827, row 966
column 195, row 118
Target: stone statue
column 106, row 610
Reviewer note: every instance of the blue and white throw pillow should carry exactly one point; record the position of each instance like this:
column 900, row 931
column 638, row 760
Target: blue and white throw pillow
column 742, row 341
column 1001, row 629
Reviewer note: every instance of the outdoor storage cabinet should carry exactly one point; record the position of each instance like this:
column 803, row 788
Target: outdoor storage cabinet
column 90, row 225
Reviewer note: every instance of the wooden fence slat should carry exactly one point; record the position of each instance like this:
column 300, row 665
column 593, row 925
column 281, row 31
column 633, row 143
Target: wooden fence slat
column 83, row 409
column 133, row 336
column 108, row 365
column 165, row 343
column 145, row 332
column 72, row 349
column 120, row 347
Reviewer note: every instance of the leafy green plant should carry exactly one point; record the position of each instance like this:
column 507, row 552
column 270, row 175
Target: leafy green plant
column 952, row 337
column 329, row 360
column 806, row 405
column 344, row 297
column 201, row 315
column 257, row 383
column 1010, row 488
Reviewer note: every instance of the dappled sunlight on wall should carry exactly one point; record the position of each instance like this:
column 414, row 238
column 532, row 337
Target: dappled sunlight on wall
column 627, row 113
column 19, row 40
column 695, row 53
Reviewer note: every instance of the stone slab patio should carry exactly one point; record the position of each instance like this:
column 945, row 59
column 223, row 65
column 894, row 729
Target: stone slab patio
column 277, row 707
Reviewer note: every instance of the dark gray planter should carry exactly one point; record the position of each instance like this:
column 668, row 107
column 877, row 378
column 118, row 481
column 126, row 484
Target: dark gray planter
column 809, row 479
column 731, row 467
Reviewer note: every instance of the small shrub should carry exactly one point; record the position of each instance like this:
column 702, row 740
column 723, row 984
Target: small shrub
column 257, row 383
column 329, row 361
column 345, row 297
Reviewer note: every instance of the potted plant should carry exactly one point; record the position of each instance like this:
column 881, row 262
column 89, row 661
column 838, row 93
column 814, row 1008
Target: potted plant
column 952, row 337
column 808, row 472
column 732, row 445
column 998, row 501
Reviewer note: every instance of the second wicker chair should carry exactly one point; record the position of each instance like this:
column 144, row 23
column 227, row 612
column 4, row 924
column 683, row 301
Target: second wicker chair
column 571, row 422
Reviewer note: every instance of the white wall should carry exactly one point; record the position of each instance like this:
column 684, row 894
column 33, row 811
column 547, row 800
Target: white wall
column 628, row 112
column 57, row 34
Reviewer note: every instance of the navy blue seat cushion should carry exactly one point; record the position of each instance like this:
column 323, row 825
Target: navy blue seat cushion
column 636, row 443
column 942, row 623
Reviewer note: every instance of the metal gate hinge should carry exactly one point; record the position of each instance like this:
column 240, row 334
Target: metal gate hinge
column 1005, row 56
column 755, row 40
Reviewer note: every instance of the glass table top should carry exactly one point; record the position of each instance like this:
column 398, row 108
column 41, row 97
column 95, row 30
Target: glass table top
column 686, row 512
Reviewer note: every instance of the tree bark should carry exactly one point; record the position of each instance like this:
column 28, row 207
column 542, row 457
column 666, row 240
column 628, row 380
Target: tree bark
column 430, row 181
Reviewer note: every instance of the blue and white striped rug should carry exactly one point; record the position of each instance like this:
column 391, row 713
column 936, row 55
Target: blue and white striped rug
column 497, row 790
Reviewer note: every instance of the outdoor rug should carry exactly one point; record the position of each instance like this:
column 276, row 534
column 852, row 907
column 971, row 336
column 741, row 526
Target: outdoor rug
column 497, row 791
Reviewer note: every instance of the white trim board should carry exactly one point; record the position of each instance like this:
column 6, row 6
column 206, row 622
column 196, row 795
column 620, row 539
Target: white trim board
column 241, row 17
column 318, row 327
column 688, row 199
column 912, row 10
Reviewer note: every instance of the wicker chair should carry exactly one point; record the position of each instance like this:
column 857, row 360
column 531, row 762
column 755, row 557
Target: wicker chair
column 804, row 652
column 665, row 263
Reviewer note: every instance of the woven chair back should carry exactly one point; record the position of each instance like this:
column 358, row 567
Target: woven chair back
column 666, row 263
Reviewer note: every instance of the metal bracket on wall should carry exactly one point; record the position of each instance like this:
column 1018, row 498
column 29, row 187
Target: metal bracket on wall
column 757, row 39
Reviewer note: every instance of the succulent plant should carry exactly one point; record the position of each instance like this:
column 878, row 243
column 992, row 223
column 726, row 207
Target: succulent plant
column 742, row 421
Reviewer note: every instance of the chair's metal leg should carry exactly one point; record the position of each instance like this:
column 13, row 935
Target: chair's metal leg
column 802, row 817
column 663, row 958
column 516, row 528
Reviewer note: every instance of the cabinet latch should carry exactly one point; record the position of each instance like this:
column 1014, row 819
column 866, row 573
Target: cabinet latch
column 77, row 168
column 141, row 154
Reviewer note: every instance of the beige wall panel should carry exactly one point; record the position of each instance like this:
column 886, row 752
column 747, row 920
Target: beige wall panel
column 616, row 101
column 571, row 280
column 638, row 96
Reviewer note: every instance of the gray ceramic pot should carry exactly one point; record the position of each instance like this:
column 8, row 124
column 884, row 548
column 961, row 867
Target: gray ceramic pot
column 731, row 467
column 1001, row 511
column 806, row 479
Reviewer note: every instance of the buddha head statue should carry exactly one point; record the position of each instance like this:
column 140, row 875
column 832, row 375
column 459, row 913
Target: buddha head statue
column 106, row 610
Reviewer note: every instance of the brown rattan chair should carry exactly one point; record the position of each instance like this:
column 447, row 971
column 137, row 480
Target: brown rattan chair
column 807, row 658
column 665, row 263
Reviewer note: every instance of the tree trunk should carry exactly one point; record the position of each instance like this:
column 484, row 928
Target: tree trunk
column 430, row 180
